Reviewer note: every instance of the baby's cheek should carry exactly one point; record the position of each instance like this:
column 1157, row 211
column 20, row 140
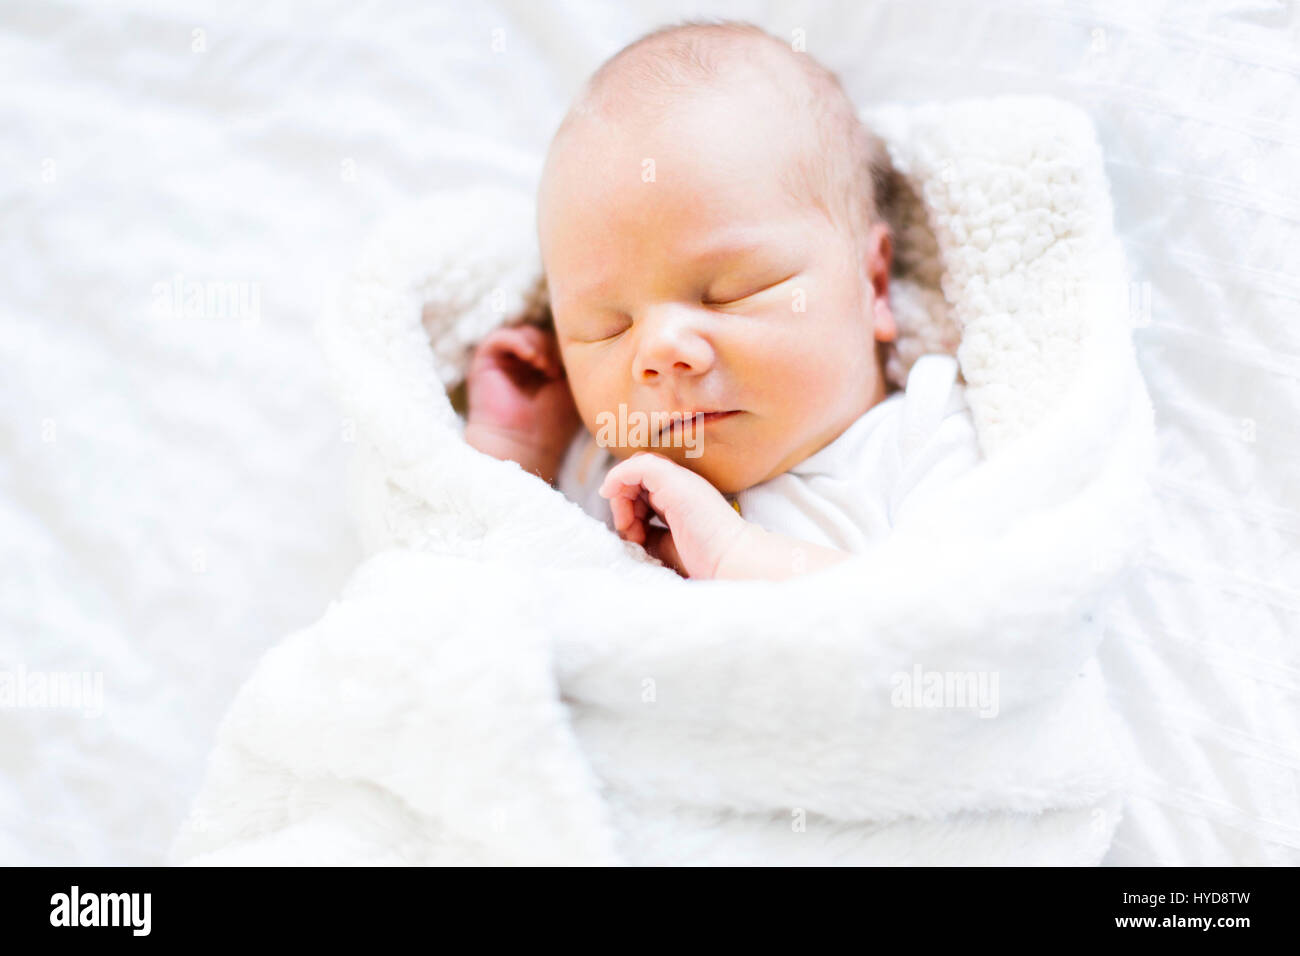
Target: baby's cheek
column 791, row 359
column 588, row 395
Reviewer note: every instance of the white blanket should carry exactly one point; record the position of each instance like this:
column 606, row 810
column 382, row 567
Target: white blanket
column 505, row 681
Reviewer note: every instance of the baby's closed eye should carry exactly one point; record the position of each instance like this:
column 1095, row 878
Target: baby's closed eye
column 728, row 293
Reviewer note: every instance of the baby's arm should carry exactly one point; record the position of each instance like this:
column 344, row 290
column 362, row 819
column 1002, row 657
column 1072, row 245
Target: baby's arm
column 759, row 553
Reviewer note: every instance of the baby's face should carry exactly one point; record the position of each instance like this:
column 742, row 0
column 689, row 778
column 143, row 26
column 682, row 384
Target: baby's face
column 683, row 278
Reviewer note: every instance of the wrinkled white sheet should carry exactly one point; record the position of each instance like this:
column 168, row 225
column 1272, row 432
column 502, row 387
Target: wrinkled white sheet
column 171, row 483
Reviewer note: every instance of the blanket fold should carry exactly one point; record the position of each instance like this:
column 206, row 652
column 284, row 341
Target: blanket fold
column 505, row 681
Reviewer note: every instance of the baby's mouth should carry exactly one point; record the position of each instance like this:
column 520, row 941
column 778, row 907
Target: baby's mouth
column 697, row 418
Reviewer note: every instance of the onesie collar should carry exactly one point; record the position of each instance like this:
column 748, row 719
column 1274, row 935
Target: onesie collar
column 829, row 459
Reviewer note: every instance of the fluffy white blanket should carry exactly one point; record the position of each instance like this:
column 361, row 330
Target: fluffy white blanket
column 505, row 681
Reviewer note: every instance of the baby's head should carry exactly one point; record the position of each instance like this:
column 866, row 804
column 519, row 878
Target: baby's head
column 711, row 228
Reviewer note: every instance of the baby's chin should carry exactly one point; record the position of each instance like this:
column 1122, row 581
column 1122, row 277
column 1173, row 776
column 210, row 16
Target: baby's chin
column 723, row 466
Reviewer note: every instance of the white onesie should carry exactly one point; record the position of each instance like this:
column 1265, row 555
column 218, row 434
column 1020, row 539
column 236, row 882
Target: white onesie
column 853, row 491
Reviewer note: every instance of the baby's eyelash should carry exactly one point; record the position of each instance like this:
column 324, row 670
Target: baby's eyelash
column 612, row 335
column 749, row 295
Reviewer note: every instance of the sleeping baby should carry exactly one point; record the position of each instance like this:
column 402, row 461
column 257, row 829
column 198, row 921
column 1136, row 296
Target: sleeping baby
column 712, row 224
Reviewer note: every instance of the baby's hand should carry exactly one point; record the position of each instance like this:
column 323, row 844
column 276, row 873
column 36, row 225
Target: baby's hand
column 701, row 525
column 518, row 392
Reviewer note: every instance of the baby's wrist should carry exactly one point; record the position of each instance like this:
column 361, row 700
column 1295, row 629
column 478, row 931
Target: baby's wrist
column 736, row 558
column 509, row 445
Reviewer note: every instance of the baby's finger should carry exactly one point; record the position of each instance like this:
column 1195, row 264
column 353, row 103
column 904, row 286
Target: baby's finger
column 547, row 344
column 623, row 513
column 523, row 344
column 628, row 526
column 620, row 485
column 635, row 532
column 633, row 473
column 543, row 344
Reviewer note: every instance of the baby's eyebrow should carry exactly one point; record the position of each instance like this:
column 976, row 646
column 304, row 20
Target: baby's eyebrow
column 726, row 248
column 732, row 247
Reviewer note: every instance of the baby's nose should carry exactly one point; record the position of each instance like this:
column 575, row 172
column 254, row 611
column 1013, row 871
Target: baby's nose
column 671, row 344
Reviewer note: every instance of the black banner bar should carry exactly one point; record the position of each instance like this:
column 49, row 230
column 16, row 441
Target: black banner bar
column 330, row 905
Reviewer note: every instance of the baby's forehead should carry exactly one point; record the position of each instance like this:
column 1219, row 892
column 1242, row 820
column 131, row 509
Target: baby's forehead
column 599, row 181
column 791, row 113
column 754, row 73
column 694, row 115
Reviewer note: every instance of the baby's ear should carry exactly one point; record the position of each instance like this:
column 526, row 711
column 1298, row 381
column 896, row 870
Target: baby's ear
column 878, row 259
column 882, row 319
column 878, row 256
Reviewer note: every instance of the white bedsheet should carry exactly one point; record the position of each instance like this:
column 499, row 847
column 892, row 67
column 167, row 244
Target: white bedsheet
column 170, row 481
